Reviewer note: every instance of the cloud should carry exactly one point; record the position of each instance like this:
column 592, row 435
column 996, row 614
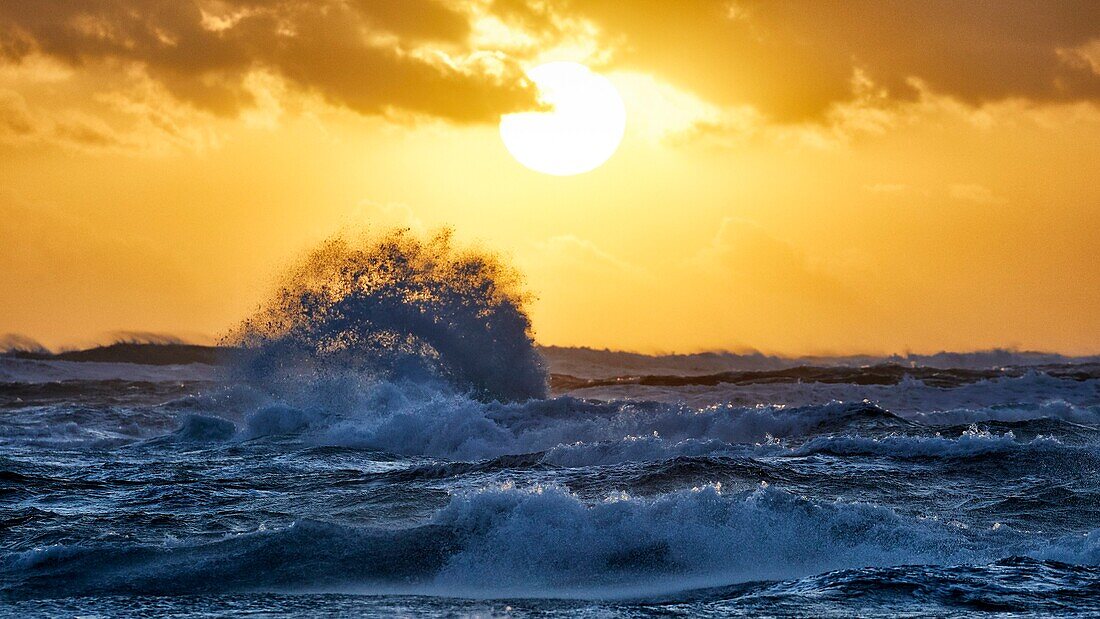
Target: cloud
column 133, row 120
column 371, row 56
column 15, row 119
column 1085, row 56
column 795, row 60
column 18, row 124
column 721, row 69
column 571, row 275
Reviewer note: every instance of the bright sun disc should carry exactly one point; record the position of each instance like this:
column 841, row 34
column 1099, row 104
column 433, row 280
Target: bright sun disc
column 581, row 130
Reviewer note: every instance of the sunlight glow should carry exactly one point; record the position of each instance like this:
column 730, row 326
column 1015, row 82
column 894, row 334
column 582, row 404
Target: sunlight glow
column 581, row 131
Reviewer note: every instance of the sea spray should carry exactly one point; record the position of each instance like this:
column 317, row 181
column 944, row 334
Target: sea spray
column 397, row 307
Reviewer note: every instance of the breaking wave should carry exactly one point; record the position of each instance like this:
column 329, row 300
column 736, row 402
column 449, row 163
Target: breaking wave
column 418, row 419
column 396, row 307
column 543, row 541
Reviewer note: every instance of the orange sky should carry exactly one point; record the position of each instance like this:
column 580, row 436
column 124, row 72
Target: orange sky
column 861, row 176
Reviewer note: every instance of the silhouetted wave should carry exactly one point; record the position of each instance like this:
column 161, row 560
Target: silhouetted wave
column 395, row 307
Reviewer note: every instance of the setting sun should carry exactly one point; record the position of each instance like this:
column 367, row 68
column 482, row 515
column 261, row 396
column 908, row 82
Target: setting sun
column 580, row 131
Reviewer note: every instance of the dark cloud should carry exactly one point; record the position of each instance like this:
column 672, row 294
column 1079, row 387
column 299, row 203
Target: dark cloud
column 791, row 60
column 794, row 59
column 355, row 53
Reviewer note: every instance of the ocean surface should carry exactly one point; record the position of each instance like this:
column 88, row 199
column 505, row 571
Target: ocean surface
column 131, row 490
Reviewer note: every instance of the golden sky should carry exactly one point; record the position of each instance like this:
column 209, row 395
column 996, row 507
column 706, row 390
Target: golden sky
column 798, row 177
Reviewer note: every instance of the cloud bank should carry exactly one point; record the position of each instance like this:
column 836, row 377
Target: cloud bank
column 371, row 56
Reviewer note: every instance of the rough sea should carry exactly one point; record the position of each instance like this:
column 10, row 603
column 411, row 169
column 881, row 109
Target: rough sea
column 382, row 438
column 131, row 490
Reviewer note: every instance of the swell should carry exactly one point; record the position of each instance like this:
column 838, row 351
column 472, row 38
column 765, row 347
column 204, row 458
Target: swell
column 541, row 541
column 421, row 419
column 1011, row 585
column 416, row 420
column 1004, row 398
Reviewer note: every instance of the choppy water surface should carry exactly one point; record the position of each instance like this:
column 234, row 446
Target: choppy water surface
column 382, row 442
column 183, row 494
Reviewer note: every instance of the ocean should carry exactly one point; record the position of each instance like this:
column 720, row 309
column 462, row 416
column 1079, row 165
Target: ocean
column 383, row 438
column 182, row 490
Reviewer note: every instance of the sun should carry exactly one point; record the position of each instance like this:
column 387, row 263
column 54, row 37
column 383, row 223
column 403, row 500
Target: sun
column 579, row 133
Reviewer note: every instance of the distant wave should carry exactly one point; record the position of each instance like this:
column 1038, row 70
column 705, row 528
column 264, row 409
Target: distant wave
column 16, row 371
column 136, row 353
column 575, row 368
column 971, row 443
column 1034, row 393
column 415, row 419
column 16, row 343
column 886, row 374
column 606, row 364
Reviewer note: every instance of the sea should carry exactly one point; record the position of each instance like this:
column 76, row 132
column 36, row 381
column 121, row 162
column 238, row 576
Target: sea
column 636, row 487
column 383, row 438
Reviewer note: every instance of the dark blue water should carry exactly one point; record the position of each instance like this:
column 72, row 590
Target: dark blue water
column 188, row 494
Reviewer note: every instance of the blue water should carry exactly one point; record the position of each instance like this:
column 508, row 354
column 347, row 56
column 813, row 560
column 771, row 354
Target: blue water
column 184, row 498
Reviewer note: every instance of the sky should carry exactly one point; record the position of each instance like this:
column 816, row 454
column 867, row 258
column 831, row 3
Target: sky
column 803, row 177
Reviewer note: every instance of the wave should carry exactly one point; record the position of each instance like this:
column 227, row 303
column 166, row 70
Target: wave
column 1016, row 585
column 396, row 307
column 607, row 364
column 1050, row 409
column 874, row 375
column 424, row 418
column 412, row 418
column 541, row 541
column 973, row 442
column 418, row 419
column 907, row 398
column 19, row 343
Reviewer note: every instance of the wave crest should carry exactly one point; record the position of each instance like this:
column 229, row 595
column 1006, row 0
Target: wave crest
column 541, row 540
column 394, row 306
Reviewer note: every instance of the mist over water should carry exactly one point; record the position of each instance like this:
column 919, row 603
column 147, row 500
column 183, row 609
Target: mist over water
column 382, row 433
